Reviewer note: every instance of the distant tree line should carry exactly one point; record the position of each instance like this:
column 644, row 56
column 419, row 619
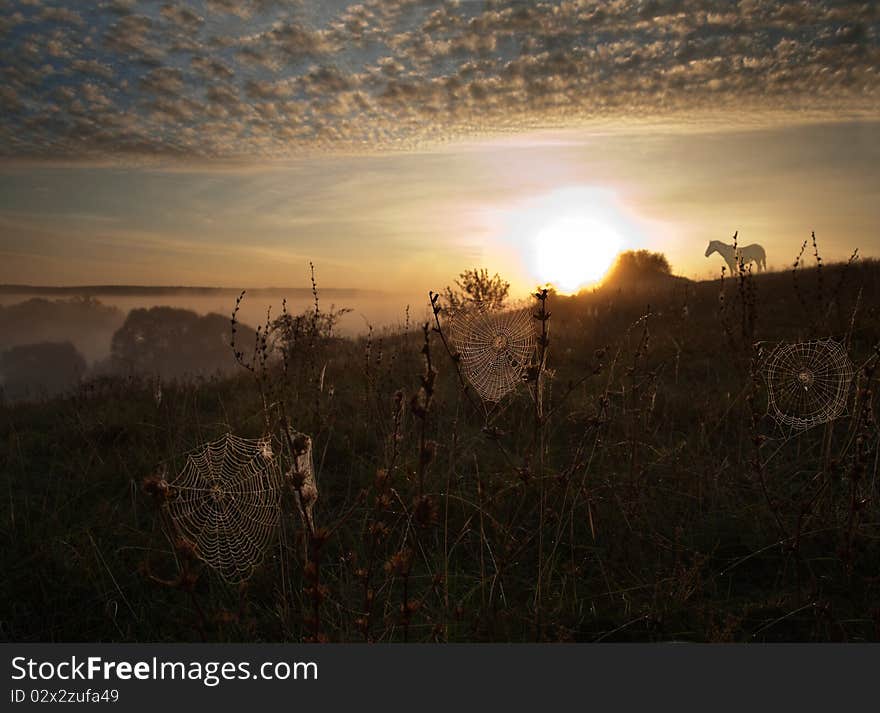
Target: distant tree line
column 171, row 343
column 83, row 321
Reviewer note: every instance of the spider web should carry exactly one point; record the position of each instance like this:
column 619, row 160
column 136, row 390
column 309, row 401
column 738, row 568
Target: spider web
column 808, row 383
column 227, row 502
column 495, row 348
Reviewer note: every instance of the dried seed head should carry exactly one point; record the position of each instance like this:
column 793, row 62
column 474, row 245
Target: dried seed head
column 399, row 563
column 378, row 531
column 185, row 548
column 428, row 452
column 309, row 493
column 419, row 403
column 320, row 537
column 300, row 444
column 382, row 481
column 296, row 479
column 157, row 487
column 425, row 511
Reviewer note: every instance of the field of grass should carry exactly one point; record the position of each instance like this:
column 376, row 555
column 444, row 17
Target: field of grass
column 650, row 498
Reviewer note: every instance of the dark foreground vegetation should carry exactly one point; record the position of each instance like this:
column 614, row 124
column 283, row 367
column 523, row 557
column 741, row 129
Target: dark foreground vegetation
column 650, row 498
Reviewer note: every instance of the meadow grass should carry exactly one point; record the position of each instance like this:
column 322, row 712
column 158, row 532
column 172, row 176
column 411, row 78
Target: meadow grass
column 650, row 498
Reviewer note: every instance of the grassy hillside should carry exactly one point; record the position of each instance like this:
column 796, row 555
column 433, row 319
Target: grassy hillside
column 651, row 497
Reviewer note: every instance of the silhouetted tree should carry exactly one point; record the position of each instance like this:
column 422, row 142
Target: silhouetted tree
column 44, row 369
column 290, row 331
column 175, row 343
column 639, row 264
column 476, row 286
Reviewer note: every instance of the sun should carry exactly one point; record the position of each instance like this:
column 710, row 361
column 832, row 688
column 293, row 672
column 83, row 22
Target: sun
column 573, row 252
column 569, row 237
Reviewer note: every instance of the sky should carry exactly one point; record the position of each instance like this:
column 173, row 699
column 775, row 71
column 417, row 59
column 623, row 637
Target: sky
column 396, row 142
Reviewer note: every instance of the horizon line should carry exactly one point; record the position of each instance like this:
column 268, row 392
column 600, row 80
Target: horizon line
column 23, row 287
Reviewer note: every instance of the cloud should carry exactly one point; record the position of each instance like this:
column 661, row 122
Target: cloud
column 129, row 39
column 182, row 16
column 256, row 76
column 90, row 68
column 262, row 89
column 224, row 101
column 163, row 80
column 211, row 68
column 61, row 15
column 283, row 42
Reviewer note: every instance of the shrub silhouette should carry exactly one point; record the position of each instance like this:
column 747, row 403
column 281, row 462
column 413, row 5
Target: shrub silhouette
column 476, row 286
column 640, row 263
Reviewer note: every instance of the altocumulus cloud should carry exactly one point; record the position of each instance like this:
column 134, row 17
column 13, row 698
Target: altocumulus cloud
column 122, row 79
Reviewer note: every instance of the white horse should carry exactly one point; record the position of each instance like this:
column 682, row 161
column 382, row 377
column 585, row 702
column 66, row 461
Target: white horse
column 734, row 256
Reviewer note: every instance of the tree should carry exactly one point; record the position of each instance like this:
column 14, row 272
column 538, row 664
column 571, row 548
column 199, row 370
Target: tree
column 48, row 368
column 289, row 331
column 639, row 264
column 475, row 286
column 175, row 343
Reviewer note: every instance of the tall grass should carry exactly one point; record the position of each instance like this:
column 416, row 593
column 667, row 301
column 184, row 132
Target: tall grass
column 645, row 495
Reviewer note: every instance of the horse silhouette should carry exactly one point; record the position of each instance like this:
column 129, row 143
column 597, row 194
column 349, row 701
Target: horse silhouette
column 734, row 256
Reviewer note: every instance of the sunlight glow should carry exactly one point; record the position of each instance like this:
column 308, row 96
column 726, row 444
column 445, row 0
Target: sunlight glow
column 566, row 238
column 575, row 251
